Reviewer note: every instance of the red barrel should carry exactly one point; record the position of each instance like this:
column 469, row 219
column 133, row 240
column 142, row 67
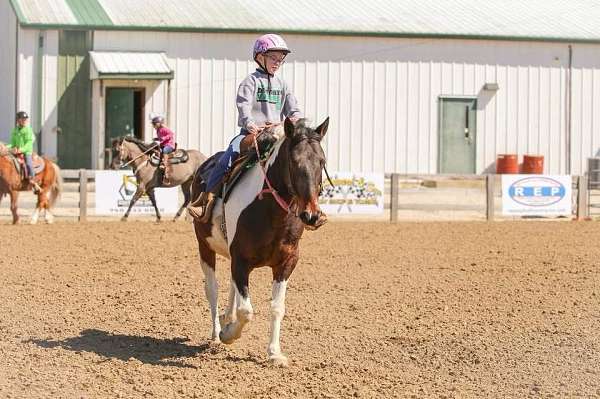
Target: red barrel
column 533, row 164
column 507, row 164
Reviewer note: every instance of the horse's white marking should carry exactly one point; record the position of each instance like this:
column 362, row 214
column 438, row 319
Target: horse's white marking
column 245, row 193
column 35, row 216
column 49, row 217
column 229, row 315
column 211, row 289
column 243, row 312
column 277, row 312
column 216, row 240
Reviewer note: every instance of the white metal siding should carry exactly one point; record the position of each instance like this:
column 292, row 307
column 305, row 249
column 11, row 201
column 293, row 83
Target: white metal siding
column 7, row 69
column 382, row 94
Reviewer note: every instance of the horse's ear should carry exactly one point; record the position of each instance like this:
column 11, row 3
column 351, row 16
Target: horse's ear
column 289, row 128
column 322, row 128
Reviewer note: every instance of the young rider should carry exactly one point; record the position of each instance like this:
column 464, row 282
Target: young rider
column 21, row 142
column 166, row 142
column 262, row 99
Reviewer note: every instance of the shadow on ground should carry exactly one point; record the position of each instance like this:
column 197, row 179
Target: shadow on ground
column 148, row 350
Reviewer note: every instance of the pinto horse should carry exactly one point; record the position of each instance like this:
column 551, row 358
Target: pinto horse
column 257, row 227
column 148, row 177
column 11, row 183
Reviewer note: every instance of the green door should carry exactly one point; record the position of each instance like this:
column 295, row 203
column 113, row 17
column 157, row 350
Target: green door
column 74, row 100
column 120, row 114
column 458, row 135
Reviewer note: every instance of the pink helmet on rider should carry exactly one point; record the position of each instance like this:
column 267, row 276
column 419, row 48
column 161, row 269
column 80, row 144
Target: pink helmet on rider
column 269, row 42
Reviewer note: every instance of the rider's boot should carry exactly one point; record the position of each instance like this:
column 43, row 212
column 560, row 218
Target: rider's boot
column 165, row 170
column 34, row 185
column 201, row 209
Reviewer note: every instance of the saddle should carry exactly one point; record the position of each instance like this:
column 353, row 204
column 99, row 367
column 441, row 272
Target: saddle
column 247, row 159
column 176, row 157
column 19, row 163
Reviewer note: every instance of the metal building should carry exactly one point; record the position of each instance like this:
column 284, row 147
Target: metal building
column 411, row 86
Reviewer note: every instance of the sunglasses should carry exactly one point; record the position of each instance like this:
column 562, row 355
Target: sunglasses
column 276, row 59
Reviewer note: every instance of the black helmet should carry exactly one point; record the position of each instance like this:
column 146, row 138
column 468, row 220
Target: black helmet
column 22, row 115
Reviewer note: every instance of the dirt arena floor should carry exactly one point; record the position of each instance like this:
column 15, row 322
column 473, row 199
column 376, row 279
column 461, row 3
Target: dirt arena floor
column 374, row 310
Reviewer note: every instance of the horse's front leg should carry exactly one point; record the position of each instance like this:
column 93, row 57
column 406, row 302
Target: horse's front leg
column 153, row 201
column 281, row 275
column 136, row 196
column 243, row 307
column 14, row 196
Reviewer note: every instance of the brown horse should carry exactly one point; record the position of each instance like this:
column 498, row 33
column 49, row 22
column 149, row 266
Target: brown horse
column 254, row 229
column 11, row 183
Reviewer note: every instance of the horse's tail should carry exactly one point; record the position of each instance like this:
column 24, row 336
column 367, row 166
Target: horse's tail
column 57, row 185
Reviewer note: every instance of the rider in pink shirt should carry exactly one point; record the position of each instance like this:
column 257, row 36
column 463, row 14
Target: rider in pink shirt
column 166, row 142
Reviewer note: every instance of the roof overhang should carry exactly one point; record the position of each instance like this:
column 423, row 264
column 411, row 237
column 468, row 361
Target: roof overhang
column 129, row 66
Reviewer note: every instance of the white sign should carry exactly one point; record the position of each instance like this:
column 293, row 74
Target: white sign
column 353, row 193
column 536, row 195
column 114, row 190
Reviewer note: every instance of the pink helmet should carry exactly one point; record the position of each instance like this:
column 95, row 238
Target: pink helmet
column 269, row 42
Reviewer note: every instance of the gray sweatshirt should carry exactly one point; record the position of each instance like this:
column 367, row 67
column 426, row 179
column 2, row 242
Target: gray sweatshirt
column 257, row 104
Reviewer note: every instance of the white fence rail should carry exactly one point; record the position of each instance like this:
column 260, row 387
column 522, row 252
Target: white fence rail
column 487, row 187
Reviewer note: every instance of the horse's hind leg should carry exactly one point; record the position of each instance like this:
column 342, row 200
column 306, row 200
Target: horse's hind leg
column 243, row 307
column 211, row 286
column 187, row 193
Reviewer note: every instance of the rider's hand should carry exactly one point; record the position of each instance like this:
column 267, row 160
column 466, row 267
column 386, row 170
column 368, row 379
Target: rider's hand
column 293, row 119
column 252, row 128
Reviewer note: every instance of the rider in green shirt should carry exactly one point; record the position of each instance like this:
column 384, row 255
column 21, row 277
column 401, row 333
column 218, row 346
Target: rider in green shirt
column 21, row 141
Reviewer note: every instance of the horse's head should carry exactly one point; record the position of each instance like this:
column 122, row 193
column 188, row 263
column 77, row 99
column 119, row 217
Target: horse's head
column 306, row 160
column 120, row 153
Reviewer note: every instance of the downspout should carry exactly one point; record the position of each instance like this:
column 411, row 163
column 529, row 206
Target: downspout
column 39, row 92
column 569, row 111
column 17, row 64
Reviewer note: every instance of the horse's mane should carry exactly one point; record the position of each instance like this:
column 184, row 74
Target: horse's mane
column 142, row 145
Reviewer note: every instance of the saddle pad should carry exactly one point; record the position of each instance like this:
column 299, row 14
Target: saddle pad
column 177, row 156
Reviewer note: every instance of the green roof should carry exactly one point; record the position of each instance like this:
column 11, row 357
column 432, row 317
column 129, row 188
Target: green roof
column 550, row 20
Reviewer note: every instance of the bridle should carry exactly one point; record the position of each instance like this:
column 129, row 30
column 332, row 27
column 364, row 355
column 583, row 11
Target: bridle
column 292, row 191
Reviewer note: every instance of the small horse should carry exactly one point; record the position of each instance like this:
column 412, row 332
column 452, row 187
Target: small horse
column 149, row 177
column 257, row 227
column 11, row 183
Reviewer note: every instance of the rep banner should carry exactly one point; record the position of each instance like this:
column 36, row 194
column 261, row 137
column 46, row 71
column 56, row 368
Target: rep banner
column 536, row 195
column 353, row 193
column 114, row 190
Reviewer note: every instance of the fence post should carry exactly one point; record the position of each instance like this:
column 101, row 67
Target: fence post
column 82, row 195
column 582, row 198
column 394, row 198
column 490, row 181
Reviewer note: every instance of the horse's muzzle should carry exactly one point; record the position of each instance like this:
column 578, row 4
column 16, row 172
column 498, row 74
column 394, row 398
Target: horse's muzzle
column 313, row 220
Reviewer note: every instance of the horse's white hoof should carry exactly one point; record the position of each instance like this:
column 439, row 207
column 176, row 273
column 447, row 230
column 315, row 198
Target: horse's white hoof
column 278, row 360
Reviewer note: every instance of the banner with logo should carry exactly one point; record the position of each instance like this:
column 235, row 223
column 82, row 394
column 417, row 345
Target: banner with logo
column 536, row 195
column 353, row 194
column 114, row 190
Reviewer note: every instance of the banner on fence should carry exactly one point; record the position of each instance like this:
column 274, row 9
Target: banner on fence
column 536, row 195
column 353, row 193
column 114, row 190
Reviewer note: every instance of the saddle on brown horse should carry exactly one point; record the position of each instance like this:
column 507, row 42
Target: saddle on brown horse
column 176, row 157
column 19, row 163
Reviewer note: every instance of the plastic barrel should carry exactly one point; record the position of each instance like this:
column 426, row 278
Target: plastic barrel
column 533, row 164
column 507, row 164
